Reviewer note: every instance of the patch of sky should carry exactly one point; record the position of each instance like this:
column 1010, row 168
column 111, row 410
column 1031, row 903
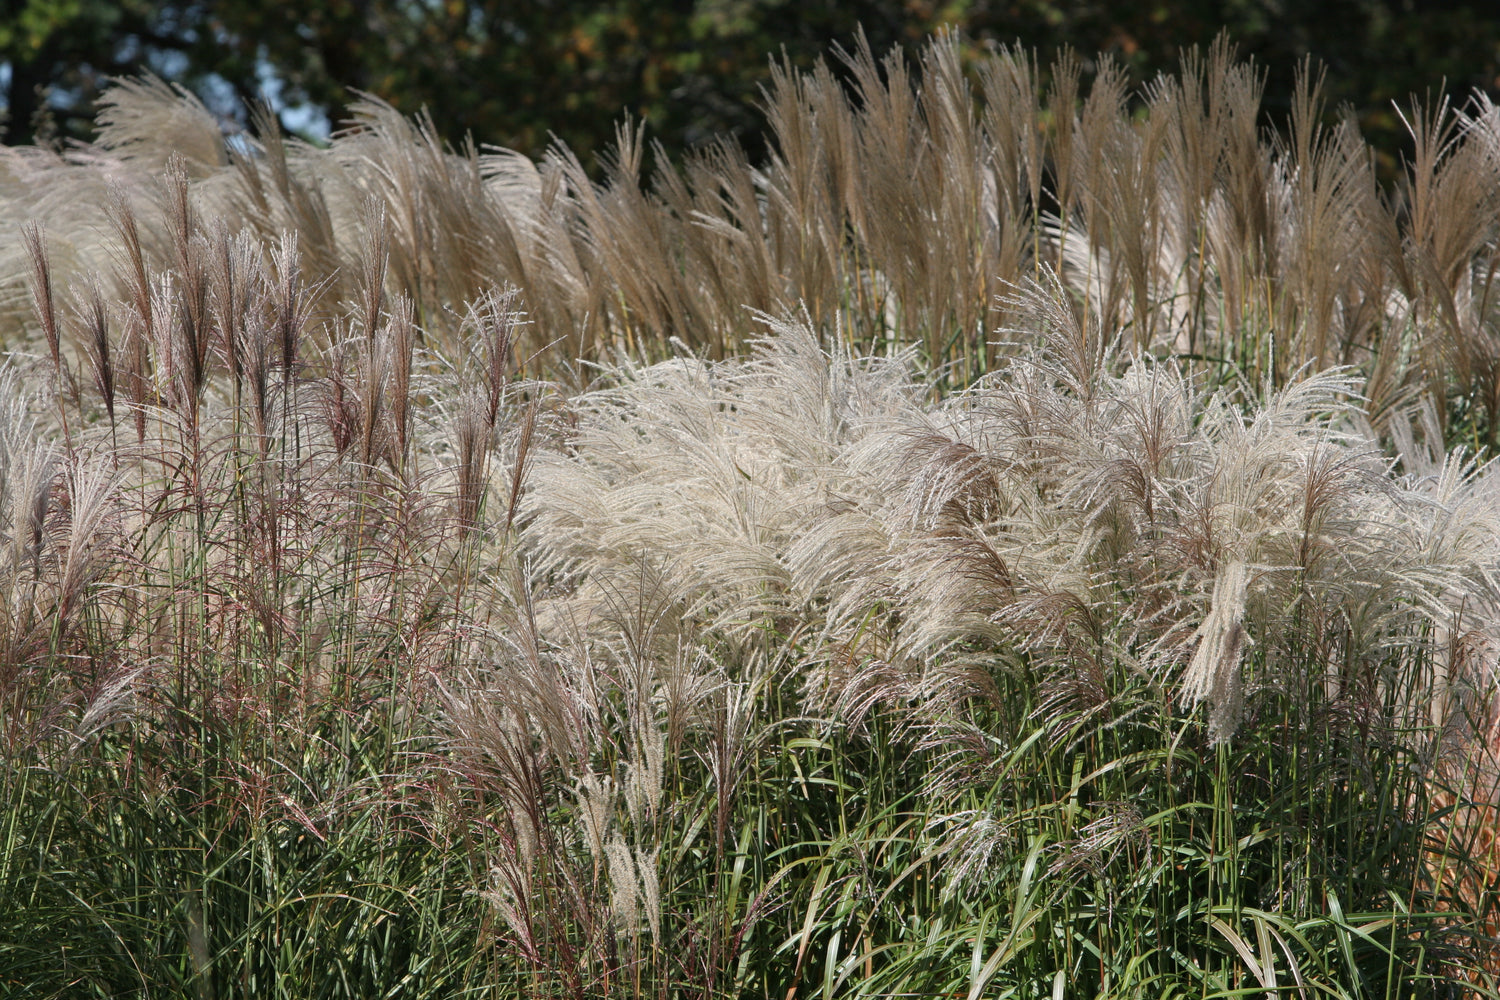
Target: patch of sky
column 301, row 118
column 305, row 119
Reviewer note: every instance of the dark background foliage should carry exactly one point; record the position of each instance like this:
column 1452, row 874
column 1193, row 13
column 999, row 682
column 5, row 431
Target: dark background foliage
column 517, row 72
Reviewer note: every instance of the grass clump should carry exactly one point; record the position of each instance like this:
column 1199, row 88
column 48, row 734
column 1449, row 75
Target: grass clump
column 1104, row 679
column 902, row 208
column 350, row 645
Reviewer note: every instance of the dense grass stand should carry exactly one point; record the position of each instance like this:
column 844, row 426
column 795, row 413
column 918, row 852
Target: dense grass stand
column 1013, row 543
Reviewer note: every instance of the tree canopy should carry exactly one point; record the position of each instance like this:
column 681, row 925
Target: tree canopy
column 518, row 72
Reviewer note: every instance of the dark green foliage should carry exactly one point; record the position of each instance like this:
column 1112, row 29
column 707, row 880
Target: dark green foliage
column 692, row 69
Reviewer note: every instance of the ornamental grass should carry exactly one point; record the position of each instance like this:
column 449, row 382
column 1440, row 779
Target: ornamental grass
column 1030, row 537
